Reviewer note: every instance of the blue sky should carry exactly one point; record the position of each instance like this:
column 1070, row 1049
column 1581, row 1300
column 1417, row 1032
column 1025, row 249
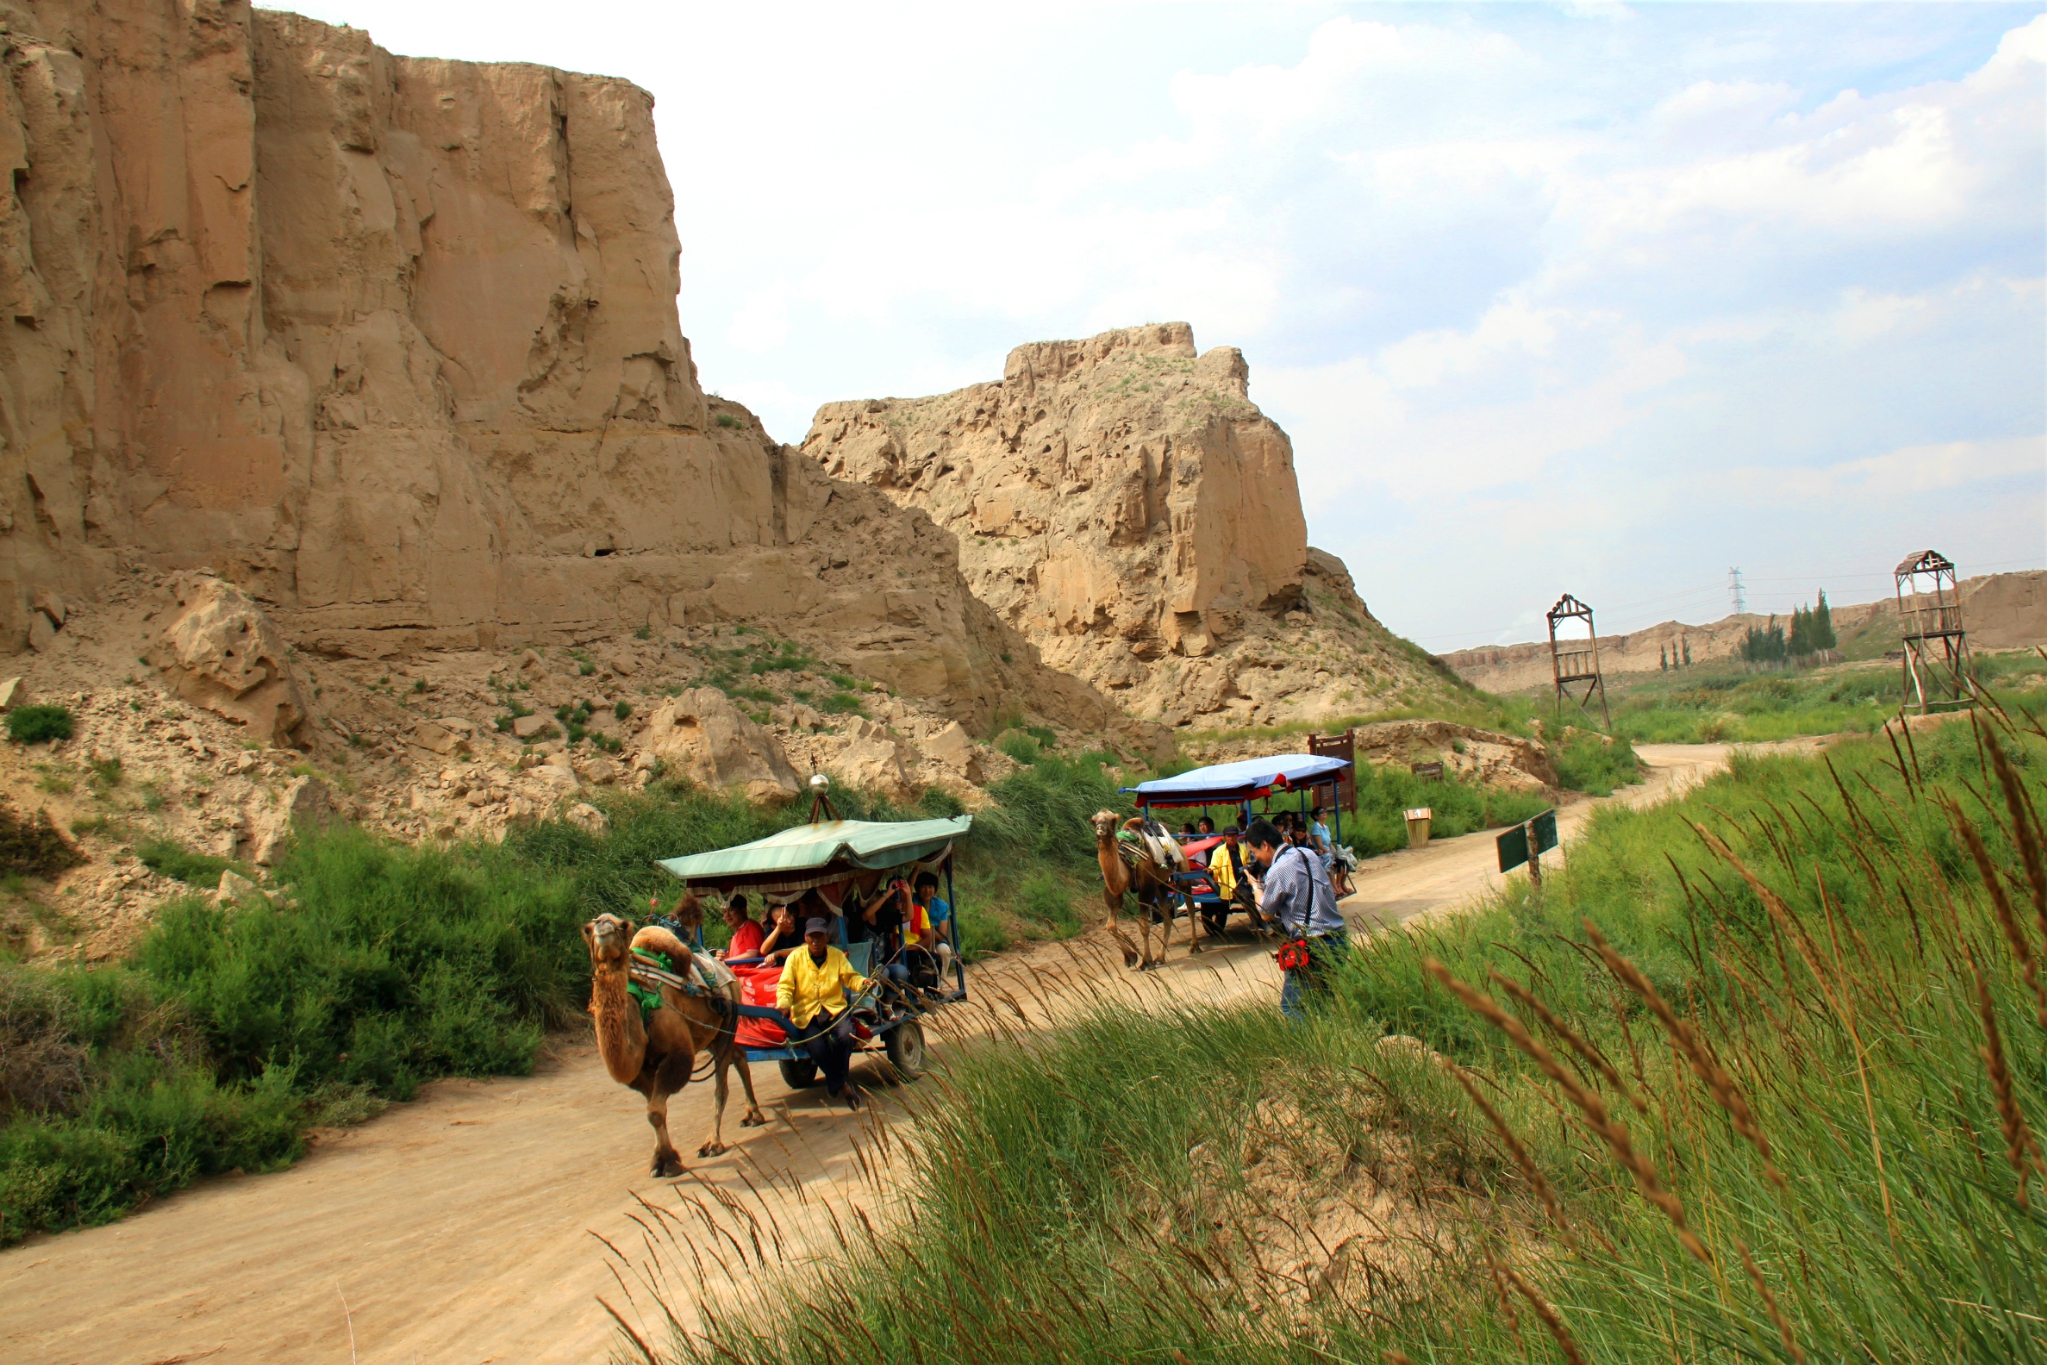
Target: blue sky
column 1599, row 299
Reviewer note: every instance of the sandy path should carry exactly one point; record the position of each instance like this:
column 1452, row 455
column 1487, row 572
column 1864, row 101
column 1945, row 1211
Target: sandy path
column 463, row 1226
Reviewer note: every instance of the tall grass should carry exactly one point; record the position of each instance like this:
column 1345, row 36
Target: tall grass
column 1742, row 1100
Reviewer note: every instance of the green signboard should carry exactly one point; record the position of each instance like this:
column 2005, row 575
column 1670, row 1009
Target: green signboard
column 1513, row 843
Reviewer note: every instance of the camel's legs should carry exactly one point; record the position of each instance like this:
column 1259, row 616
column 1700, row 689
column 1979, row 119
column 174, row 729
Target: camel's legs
column 1187, row 904
column 672, row 1075
column 720, row 1088
column 667, row 1161
column 1115, row 903
column 753, row 1118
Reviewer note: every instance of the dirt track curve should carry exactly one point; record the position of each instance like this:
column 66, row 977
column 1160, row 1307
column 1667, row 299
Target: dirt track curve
column 464, row 1227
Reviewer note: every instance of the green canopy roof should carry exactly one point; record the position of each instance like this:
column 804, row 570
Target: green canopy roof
column 811, row 854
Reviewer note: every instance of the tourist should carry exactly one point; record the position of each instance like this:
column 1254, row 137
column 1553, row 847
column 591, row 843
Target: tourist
column 813, row 993
column 927, row 934
column 747, row 933
column 1300, row 900
column 1226, row 869
column 782, row 936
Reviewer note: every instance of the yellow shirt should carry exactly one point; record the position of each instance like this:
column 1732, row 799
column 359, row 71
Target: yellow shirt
column 1220, row 873
column 808, row 986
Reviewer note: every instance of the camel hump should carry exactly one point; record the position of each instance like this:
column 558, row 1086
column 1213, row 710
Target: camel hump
column 657, row 938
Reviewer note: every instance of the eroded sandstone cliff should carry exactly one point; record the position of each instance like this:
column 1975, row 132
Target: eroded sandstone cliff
column 392, row 344
column 1122, row 503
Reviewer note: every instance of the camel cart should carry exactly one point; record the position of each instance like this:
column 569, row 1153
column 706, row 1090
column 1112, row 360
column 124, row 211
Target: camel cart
column 1237, row 785
column 843, row 861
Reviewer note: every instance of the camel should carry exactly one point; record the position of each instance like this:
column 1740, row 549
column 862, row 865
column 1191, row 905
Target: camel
column 657, row 1055
column 1157, row 897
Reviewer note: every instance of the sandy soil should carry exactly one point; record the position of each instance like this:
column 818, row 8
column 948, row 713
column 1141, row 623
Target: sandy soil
column 471, row 1225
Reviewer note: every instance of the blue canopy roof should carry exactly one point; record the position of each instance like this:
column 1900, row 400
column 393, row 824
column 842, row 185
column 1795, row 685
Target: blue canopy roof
column 1245, row 780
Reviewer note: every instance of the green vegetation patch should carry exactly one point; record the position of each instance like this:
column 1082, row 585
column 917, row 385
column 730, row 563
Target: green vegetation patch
column 173, row 859
column 33, row 846
column 1784, row 1085
column 233, row 1029
column 38, row 724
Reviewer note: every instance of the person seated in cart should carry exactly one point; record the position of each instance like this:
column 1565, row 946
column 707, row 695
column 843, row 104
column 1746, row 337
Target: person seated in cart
column 1226, row 870
column 747, row 933
column 783, row 935
column 927, row 949
column 814, row 994
column 879, row 919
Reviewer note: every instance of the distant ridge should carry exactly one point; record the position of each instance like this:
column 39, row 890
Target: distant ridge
column 2002, row 611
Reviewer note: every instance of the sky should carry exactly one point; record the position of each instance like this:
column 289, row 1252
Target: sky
column 1599, row 299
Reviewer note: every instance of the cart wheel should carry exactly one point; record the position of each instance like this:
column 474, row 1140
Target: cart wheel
column 797, row 1074
column 905, row 1043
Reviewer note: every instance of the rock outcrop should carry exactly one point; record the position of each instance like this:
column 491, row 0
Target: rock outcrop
column 1123, row 505
column 218, row 650
column 391, row 343
column 704, row 737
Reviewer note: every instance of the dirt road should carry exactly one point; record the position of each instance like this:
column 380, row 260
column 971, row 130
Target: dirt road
column 464, row 1226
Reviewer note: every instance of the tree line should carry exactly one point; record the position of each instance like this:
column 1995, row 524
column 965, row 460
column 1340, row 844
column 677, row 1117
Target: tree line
column 1812, row 632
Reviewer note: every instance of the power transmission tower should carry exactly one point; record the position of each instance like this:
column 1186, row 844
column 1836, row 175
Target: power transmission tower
column 1734, row 583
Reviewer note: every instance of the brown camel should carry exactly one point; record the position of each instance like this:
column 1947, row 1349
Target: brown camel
column 657, row 1055
column 1157, row 897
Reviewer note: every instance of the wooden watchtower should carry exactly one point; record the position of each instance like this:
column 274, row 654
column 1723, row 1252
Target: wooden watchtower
column 1937, row 676
column 1575, row 661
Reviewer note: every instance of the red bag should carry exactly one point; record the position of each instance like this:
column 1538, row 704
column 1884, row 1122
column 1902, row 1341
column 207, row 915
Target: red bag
column 1294, row 956
column 757, row 987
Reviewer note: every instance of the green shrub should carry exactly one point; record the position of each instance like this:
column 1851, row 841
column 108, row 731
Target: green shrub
column 1047, row 899
column 173, row 859
column 1588, row 762
column 34, row 848
column 842, row 704
column 622, row 709
column 1018, row 746
column 38, row 724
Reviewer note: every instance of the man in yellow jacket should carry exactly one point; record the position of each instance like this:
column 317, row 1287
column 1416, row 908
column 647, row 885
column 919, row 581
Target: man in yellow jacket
column 813, row 993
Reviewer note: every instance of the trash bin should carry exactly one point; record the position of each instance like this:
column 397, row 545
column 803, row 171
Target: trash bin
column 1418, row 826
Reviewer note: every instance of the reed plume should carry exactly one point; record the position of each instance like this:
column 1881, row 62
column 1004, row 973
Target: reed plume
column 2020, row 1149
column 1604, row 1125
column 2025, row 830
column 1549, row 1317
column 1694, row 1050
column 2000, row 904
column 1529, row 1170
column 1755, row 1277
column 1593, row 1058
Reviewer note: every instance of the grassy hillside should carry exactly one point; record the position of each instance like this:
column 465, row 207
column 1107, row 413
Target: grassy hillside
column 1761, row 1076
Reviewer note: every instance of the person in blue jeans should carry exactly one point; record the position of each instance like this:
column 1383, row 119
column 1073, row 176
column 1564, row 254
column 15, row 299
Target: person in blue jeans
column 1300, row 899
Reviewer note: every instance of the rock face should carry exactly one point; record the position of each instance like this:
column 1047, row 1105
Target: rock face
column 391, row 343
column 1122, row 504
column 2001, row 611
column 219, row 651
column 702, row 735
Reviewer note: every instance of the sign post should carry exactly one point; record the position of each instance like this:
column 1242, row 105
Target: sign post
column 1526, row 843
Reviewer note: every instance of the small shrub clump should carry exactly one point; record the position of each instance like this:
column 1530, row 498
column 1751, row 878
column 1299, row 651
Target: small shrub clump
column 170, row 858
column 38, row 724
column 34, row 847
